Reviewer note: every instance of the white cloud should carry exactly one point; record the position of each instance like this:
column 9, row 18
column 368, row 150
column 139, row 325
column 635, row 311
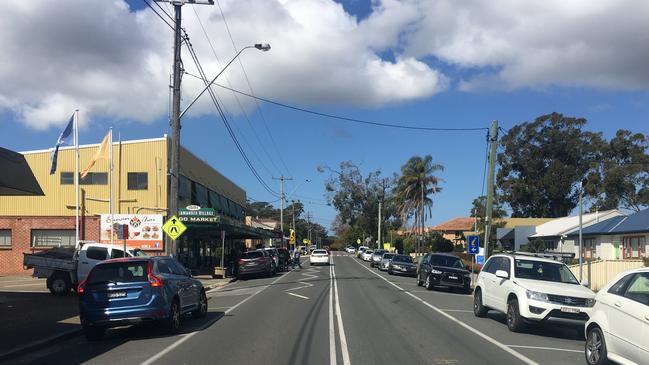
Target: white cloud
column 108, row 61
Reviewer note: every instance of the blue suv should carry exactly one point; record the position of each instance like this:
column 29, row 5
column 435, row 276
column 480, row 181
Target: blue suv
column 136, row 290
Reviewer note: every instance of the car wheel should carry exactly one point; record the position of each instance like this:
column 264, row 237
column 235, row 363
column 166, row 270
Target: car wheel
column 428, row 284
column 172, row 323
column 94, row 333
column 389, row 272
column 479, row 310
column 60, row 284
column 514, row 319
column 201, row 311
column 595, row 351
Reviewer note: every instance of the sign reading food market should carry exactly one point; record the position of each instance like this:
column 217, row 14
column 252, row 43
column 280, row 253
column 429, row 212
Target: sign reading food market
column 196, row 214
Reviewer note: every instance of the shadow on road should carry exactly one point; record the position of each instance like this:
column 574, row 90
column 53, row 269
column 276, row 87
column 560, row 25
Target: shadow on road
column 567, row 330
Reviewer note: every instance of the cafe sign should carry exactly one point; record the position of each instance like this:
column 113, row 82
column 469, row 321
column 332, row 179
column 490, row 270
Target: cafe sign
column 196, row 214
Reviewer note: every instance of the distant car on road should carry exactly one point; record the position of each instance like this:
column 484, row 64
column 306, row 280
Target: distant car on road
column 619, row 323
column 313, row 248
column 255, row 262
column 440, row 269
column 319, row 257
column 350, row 249
column 367, row 255
column 385, row 261
column 135, row 290
column 360, row 251
column 376, row 257
column 530, row 289
column 402, row 265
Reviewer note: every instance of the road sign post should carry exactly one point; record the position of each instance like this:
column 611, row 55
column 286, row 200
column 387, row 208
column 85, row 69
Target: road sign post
column 473, row 248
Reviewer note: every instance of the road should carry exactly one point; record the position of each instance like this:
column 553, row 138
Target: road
column 344, row 314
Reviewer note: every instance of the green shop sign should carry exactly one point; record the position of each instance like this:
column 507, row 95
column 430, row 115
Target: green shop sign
column 196, row 214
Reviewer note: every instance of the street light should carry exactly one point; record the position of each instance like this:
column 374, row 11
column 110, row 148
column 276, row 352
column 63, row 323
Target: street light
column 264, row 47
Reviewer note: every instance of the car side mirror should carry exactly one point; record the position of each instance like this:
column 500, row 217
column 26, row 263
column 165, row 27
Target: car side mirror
column 502, row 274
column 188, row 272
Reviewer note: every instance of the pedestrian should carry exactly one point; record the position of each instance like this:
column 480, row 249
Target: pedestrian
column 296, row 259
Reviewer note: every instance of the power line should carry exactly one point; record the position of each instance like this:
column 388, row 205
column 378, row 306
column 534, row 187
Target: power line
column 348, row 119
column 243, row 111
column 261, row 114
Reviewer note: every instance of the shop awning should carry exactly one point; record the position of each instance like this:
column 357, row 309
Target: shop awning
column 233, row 229
column 16, row 178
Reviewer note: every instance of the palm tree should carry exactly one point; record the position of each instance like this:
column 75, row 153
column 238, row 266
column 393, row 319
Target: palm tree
column 416, row 184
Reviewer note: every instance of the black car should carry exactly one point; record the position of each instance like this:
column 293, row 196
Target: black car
column 402, row 265
column 439, row 269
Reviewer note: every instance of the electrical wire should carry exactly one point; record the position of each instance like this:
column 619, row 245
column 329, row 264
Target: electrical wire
column 261, row 114
column 348, row 119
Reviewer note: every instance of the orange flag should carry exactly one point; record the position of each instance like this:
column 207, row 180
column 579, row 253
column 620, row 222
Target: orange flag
column 103, row 152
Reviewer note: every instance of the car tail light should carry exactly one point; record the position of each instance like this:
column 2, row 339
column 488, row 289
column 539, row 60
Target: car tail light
column 81, row 288
column 154, row 281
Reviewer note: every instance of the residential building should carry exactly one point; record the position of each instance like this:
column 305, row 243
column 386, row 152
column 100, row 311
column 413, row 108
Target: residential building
column 455, row 229
column 515, row 231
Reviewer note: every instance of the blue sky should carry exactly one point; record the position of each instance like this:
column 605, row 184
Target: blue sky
column 305, row 141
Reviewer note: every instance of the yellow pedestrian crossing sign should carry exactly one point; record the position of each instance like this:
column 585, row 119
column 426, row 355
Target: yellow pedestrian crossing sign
column 291, row 238
column 173, row 227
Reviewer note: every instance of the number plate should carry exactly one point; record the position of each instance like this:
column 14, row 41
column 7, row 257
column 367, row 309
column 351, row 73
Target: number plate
column 453, row 277
column 117, row 294
column 569, row 310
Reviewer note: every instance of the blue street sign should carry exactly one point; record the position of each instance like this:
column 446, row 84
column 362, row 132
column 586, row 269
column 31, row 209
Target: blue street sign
column 473, row 245
column 479, row 259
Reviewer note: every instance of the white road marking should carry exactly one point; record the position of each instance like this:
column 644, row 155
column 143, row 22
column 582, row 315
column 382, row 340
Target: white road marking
column 186, row 337
column 545, row 348
column 332, row 331
column 502, row 346
column 457, row 310
column 341, row 328
column 23, row 291
column 19, row 285
column 298, row 295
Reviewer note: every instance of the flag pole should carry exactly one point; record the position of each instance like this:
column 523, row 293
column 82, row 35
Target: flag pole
column 76, row 175
column 110, row 200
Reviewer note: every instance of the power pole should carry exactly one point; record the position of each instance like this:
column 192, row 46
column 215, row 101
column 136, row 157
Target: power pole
column 293, row 209
column 308, row 218
column 281, row 198
column 174, row 171
column 379, row 240
column 493, row 141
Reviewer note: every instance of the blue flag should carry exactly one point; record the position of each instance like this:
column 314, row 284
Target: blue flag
column 64, row 139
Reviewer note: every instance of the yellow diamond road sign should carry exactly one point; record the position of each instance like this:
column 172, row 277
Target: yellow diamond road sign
column 173, row 227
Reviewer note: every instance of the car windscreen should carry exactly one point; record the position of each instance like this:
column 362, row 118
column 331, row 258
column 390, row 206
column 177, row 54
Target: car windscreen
column 402, row 258
column 251, row 255
column 446, row 261
column 546, row 271
column 118, row 272
column 388, row 256
column 379, row 252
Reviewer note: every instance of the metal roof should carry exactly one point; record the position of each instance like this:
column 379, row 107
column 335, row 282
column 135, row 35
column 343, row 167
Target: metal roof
column 635, row 223
column 567, row 225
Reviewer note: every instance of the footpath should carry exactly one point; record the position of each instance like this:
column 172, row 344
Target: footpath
column 31, row 317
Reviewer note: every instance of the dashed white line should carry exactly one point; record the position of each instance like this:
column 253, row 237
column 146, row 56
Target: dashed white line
column 341, row 328
column 497, row 343
column 332, row 330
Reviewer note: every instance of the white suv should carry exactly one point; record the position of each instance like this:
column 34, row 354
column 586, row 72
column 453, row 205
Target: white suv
column 530, row 288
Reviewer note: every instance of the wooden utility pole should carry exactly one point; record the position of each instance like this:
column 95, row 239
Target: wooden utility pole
column 493, row 141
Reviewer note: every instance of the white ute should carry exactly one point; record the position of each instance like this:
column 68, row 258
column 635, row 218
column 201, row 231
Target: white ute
column 530, row 288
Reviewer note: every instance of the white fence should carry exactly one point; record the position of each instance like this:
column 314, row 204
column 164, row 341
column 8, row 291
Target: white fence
column 601, row 272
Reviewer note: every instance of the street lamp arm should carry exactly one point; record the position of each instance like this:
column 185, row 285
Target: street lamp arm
column 261, row 47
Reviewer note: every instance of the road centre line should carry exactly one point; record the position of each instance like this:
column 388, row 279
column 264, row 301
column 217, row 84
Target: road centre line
column 332, row 331
column 341, row 328
column 545, row 348
column 297, row 295
column 497, row 343
column 186, row 337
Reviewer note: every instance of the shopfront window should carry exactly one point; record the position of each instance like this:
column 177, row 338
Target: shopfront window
column 52, row 237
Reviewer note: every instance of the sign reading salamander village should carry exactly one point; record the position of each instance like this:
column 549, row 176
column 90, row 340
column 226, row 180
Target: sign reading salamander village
column 196, row 214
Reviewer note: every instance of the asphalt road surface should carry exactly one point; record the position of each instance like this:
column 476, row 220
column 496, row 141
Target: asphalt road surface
column 345, row 313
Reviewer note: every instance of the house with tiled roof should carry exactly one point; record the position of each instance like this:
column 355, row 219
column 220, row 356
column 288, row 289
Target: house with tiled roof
column 455, row 229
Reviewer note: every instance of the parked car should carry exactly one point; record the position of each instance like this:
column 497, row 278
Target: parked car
column 319, row 257
column 64, row 268
column 403, row 265
column 441, row 269
column 255, row 262
column 367, row 255
column 272, row 252
column 313, row 248
column 530, row 288
column 385, row 261
column 135, row 290
column 618, row 328
column 350, row 249
column 376, row 257
column 360, row 251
